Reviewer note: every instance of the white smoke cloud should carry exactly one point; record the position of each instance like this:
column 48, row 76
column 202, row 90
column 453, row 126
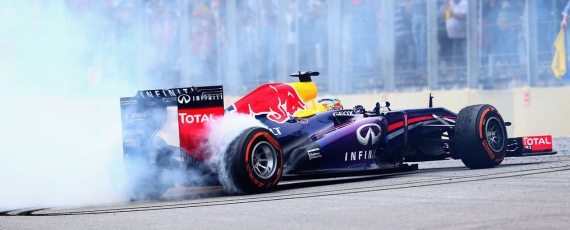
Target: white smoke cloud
column 57, row 151
column 61, row 74
column 59, row 130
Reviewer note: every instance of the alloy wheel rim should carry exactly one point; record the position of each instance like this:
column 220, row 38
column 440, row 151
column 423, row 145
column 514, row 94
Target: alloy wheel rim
column 495, row 134
column 264, row 160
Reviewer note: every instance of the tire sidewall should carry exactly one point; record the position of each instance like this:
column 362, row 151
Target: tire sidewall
column 244, row 176
column 487, row 115
column 471, row 136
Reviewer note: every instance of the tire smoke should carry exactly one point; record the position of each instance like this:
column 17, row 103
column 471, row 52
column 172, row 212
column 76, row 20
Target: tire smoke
column 223, row 131
column 59, row 111
column 56, row 152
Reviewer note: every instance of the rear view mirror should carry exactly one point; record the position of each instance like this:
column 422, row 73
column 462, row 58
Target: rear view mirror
column 384, row 104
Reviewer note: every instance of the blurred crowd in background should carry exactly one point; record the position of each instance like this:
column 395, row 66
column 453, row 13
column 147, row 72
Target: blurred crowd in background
column 175, row 43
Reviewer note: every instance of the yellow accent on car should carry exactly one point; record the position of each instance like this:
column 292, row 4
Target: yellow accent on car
column 308, row 92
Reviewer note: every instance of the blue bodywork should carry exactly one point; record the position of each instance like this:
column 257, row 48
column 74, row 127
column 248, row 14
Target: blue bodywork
column 336, row 141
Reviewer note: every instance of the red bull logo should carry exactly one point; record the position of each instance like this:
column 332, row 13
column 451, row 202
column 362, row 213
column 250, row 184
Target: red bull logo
column 278, row 101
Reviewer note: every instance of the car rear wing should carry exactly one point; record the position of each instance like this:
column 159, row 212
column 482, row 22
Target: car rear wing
column 530, row 146
column 161, row 118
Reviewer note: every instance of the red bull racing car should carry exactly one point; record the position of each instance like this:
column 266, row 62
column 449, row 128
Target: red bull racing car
column 167, row 138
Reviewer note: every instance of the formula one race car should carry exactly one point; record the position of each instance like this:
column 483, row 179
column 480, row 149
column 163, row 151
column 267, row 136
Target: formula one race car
column 166, row 132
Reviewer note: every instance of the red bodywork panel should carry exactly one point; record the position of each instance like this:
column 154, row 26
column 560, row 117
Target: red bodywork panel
column 537, row 143
column 278, row 101
column 192, row 123
column 163, row 118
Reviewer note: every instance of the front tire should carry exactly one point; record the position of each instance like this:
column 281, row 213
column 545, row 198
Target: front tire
column 480, row 136
column 252, row 164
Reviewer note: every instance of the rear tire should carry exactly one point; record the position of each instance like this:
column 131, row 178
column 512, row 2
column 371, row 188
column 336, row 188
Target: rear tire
column 252, row 164
column 480, row 136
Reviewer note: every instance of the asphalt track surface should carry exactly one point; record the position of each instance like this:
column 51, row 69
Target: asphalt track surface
column 521, row 193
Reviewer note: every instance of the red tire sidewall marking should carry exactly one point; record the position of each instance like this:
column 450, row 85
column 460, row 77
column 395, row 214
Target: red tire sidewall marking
column 482, row 122
column 276, row 146
column 273, row 142
column 504, row 136
column 247, row 166
column 500, row 159
column 488, row 150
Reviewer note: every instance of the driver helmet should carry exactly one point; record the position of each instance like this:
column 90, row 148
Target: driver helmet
column 330, row 103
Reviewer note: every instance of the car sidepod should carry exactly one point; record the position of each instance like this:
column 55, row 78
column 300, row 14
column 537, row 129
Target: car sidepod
column 344, row 144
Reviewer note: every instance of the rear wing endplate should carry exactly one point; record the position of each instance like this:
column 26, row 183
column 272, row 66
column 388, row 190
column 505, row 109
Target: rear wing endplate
column 154, row 119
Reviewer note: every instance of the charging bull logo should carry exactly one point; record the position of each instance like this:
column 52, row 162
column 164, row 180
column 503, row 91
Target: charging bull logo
column 278, row 101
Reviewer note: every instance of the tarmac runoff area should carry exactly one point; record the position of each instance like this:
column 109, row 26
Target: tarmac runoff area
column 521, row 193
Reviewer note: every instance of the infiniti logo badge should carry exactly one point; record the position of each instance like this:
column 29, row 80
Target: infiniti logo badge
column 370, row 136
column 183, row 98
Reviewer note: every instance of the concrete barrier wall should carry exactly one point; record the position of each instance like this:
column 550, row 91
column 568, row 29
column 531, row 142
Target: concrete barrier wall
column 545, row 112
